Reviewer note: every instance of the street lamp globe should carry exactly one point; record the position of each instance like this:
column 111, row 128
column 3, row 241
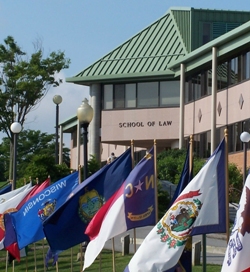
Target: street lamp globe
column 57, row 99
column 16, row 127
column 85, row 112
column 245, row 137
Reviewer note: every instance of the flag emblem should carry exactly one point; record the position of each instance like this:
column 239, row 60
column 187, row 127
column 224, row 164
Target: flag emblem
column 47, row 210
column 175, row 227
column 89, row 204
column 2, row 216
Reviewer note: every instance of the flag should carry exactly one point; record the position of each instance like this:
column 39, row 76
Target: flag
column 237, row 252
column 27, row 222
column 36, row 189
column 10, row 205
column 5, row 189
column 65, row 228
column 8, row 195
column 199, row 209
column 185, row 260
column 10, row 241
column 185, row 178
column 51, row 255
column 132, row 206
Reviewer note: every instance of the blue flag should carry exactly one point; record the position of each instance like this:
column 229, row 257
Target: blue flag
column 185, row 178
column 5, row 189
column 27, row 222
column 65, row 228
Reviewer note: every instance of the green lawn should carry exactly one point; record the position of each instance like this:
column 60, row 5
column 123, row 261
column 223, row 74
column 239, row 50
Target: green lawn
column 68, row 261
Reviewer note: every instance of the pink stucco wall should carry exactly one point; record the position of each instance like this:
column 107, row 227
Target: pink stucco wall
column 231, row 111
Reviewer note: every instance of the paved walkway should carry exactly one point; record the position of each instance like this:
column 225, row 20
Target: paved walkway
column 215, row 244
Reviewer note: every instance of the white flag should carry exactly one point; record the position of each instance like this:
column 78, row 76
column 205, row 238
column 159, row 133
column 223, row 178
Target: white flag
column 237, row 253
column 9, row 204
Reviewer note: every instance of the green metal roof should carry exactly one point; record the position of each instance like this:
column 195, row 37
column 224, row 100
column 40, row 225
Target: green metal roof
column 69, row 124
column 149, row 54
column 225, row 44
column 145, row 54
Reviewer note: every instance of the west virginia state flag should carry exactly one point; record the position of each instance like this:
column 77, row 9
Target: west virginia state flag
column 200, row 208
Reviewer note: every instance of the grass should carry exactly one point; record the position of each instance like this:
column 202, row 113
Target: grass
column 68, row 261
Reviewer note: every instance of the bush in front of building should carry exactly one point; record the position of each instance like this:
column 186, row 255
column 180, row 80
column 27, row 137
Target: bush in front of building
column 170, row 164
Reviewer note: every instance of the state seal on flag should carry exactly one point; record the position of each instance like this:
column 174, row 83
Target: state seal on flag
column 11, row 210
column 89, row 204
column 176, row 224
column 48, row 208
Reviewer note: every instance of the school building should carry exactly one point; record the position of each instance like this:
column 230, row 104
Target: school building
column 188, row 73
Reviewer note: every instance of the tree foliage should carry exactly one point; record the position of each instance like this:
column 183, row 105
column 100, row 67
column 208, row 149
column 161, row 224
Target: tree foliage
column 170, row 164
column 24, row 81
column 35, row 157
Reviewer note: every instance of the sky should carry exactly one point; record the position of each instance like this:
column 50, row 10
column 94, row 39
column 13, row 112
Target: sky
column 85, row 30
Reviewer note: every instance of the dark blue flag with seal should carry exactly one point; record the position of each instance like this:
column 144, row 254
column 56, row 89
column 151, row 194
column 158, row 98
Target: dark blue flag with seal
column 66, row 226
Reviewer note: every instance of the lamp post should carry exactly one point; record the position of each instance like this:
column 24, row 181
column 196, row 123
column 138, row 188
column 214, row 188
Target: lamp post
column 245, row 138
column 57, row 99
column 85, row 114
column 16, row 128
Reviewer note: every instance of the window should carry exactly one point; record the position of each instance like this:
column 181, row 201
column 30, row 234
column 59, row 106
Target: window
column 169, row 93
column 147, row 94
column 206, row 33
column 246, row 66
column 119, row 95
column 130, row 96
column 108, row 97
column 222, row 75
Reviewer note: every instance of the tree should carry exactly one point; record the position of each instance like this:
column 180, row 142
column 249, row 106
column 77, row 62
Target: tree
column 35, row 157
column 24, row 81
column 170, row 164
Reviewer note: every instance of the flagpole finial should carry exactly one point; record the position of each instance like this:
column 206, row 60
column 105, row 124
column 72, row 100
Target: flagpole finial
column 225, row 132
column 191, row 138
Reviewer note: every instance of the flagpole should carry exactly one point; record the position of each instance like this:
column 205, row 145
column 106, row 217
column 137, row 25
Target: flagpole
column 44, row 266
column 227, row 183
column 133, row 165
column 113, row 251
column 79, row 181
column 6, row 264
column 155, row 180
column 191, row 153
column 35, row 255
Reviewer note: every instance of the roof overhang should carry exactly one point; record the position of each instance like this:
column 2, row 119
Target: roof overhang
column 148, row 76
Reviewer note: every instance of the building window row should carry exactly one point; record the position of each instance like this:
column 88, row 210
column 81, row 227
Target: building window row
column 141, row 95
column 229, row 73
column 202, row 141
